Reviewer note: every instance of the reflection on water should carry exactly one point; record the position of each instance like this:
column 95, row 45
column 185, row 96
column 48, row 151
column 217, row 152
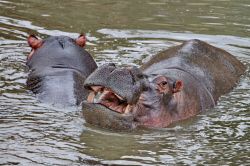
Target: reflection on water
column 127, row 33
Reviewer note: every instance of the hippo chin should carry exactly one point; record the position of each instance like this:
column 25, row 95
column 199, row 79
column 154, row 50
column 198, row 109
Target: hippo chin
column 58, row 68
column 174, row 85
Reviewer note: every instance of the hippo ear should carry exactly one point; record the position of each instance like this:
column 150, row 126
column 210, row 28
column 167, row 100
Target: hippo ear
column 34, row 42
column 177, row 86
column 81, row 40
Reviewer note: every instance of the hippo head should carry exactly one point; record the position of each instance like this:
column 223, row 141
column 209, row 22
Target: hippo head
column 125, row 98
column 36, row 43
column 59, row 52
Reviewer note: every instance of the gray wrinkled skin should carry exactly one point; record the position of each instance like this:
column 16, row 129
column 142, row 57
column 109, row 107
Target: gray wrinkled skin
column 207, row 72
column 58, row 70
column 126, row 83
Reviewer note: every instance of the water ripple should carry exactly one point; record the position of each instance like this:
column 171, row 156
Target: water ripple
column 33, row 133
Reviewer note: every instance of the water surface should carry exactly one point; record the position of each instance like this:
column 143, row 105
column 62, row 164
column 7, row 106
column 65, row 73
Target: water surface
column 123, row 32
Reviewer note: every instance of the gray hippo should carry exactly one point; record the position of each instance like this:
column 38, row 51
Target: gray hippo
column 174, row 85
column 58, row 68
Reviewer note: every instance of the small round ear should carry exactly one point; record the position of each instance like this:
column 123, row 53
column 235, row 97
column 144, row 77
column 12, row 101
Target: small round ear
column 177, row 86
column 34, row 42
column 81, row 40
column 162, row 84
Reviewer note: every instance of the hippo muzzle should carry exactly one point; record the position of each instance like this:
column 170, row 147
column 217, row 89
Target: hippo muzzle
column 117, row 86
column 113, row 92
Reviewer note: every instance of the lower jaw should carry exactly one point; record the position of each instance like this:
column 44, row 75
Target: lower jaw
column 101, row 116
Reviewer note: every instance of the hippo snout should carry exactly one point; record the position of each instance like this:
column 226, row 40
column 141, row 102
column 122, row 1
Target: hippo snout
column 124, row 82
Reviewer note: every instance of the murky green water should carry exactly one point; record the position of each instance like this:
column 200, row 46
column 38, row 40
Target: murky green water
column 124, row 32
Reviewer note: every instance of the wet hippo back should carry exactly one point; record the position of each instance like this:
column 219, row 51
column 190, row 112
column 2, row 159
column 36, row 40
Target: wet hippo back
column 212, row 67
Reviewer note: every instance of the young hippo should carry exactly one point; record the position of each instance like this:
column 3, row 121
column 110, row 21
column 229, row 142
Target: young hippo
column 58, row 68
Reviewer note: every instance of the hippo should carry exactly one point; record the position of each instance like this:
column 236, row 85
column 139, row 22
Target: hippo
column 173, row 85
column 58, row 67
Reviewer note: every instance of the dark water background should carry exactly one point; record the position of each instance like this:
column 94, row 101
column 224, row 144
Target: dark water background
column 124, row 32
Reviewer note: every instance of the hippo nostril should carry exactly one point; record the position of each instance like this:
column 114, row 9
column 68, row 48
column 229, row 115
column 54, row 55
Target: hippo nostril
column 61, row 43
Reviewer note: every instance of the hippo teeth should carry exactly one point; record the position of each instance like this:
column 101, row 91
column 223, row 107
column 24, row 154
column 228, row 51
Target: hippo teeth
column 119, row 97
column 109, row 99
column 91, row 97
column 128, row 109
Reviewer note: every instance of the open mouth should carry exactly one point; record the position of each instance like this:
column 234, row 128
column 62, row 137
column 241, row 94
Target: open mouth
column 109, row 99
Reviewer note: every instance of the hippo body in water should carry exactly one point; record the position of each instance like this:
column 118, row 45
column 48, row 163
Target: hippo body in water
column 58, row 68
column 174, row 85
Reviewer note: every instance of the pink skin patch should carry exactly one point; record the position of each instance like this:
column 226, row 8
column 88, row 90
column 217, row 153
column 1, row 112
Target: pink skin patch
column 81, row 40
column 109, row 99
column 34, row 43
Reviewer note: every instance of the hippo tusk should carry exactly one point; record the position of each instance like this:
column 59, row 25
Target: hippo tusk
column 91, row 97
column 119, row 97
column 128, row 109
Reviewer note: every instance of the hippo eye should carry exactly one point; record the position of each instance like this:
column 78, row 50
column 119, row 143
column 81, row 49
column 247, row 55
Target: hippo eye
column 164, row 83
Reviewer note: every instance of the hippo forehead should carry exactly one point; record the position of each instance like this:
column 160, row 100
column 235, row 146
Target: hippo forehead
column 62, row 40
column 126, row 82
column 58, row 38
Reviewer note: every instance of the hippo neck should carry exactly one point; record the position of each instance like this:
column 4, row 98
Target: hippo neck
column 63, row 87
column 170, row 112
column 179, row 108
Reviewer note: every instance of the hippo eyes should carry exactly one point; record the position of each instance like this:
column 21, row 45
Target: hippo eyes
column 164, row 83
